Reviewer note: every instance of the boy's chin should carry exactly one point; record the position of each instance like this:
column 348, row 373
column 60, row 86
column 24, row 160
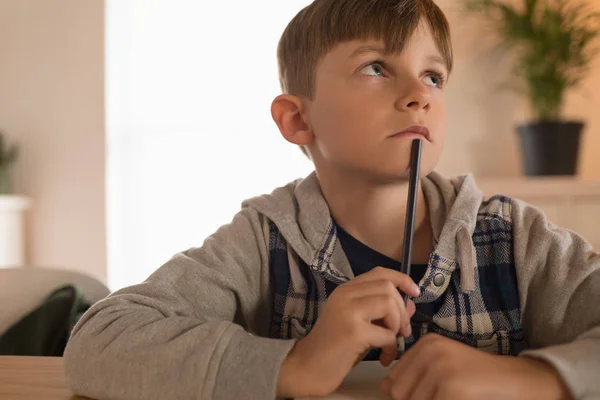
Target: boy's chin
column 400, row 171
column 394, row 171
column 393, row 176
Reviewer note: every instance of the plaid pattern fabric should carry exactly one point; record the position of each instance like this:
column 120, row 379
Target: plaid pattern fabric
column 487, row 318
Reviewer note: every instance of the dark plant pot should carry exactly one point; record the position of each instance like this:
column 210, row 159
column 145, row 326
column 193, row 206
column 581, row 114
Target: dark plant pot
column 550, row 147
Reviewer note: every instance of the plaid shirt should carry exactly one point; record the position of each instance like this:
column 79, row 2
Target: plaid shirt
column 487, row 318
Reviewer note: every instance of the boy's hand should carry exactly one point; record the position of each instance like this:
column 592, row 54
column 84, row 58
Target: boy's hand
column 438, row 368
column 365, row 313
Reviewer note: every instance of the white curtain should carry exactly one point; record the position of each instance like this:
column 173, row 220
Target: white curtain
column 189, row 131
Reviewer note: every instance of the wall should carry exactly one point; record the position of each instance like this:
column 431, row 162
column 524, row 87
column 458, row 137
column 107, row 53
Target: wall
column 481, row 116
column 52, row 103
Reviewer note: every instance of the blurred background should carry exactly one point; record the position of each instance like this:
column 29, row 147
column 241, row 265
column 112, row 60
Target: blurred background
column 142, row 125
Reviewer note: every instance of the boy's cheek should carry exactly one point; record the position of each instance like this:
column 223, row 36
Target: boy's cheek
column 430, row 156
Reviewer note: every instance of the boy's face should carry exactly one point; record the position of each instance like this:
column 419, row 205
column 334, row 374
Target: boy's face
column 364, row 98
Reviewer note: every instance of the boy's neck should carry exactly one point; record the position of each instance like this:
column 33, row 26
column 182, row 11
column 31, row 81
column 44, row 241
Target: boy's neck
column 375, row 214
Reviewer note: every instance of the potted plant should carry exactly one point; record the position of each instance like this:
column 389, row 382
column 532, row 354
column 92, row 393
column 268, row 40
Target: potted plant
column 554, row 44
column 12, row 208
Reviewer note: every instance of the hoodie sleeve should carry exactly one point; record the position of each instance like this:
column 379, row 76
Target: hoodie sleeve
column 559, row 287
column 192, row 330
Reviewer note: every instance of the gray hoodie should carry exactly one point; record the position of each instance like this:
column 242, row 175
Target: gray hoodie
column 199, row 327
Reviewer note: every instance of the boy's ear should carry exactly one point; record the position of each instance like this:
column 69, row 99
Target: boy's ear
column 288, row 113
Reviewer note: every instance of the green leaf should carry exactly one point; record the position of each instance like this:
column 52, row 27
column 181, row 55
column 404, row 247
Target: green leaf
column 555, row 42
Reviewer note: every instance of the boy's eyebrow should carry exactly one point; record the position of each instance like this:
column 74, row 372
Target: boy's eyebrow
column 437, row 60
column 381, row 50
column 367, row 49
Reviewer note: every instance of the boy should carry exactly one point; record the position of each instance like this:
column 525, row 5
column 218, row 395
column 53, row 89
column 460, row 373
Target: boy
column 246, row 316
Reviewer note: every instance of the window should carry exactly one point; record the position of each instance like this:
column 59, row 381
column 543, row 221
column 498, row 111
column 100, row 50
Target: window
column 189, row 130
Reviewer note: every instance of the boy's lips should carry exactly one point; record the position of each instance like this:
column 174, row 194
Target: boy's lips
column 414, row 130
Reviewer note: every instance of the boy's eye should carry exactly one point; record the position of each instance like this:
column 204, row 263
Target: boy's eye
column 434, row 79
column 373, row 69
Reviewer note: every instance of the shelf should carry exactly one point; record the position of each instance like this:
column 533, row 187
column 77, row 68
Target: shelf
column 541, row 187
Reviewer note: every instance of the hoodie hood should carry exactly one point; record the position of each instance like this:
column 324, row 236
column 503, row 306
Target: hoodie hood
column 302, row 215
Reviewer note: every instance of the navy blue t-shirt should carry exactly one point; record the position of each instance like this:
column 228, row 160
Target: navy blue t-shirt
column 362, row 258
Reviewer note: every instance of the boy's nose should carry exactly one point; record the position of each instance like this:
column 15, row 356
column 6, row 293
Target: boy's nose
column 416, row 97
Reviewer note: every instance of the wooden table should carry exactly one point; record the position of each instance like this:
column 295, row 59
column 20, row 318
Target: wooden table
column 42, row 378
column 33, row 378
column 362, row 383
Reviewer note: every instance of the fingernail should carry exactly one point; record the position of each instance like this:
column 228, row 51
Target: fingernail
column 407, row 331
column 417, row 289
column 385, row 361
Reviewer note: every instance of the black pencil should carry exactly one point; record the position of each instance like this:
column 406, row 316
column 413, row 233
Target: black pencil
column 411, row 208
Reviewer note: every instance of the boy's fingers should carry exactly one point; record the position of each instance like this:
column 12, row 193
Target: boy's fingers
column 388, row 354
column 379, row 337
column 362, row 356
column 386, row 386
column 406, row 329
column 409, row 370
column 411, row 308
column 381, row 307
column 400, row 280
column 370, row 288
column 376, row 288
